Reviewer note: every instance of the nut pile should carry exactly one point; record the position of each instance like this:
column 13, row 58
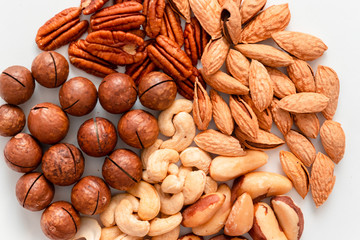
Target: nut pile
column 176, row 179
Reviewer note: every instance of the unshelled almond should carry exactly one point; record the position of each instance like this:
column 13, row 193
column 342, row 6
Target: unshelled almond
column 202, row 107
column 214, row 55
column 264, row 118
column 238, row 66
column 301, row 73
column 308, row 124
column 249, row 8
column 264, row 140
column 281, row 118
column 221, row 113
column 282, row 84
column 301, row 147
column 333, row 140
column 305, row 102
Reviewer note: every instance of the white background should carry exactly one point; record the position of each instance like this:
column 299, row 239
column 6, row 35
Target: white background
column 335, row 22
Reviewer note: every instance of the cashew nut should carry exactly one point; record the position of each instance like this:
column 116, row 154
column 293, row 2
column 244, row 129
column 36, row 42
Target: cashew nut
column 108, row 216
column 110, row 233
column 194, row 186
column 149, row 200
column 165, row 118
column 173, row 169
column 172, row 235
column 145, row 153
column 146, row 178
column 196, row 157
column 158, row 163
column 184, row 134
column 89, row 229
column 172, row 184
column 127, row 237
column 211, row 185
column 128, row 222
column 170, row 204
column 159, row 226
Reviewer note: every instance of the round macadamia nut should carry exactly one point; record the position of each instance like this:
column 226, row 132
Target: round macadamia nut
column 90, row 195
column 48, row 123
column 138, row 128
column 34, row 192
column 16, row 85
column 50, row 69
column 122, row 169
column 97, row 137
column 117, row 93
column 63, row 164
column 157, row 91
column 78, row 96
column 60, row 221
column 22, row 153
column 12, row 120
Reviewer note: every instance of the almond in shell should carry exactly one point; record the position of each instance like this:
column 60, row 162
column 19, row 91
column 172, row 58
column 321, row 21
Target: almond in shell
column 282, row 84
column 305, row 102
column 238, row 66
column 181, row 7
column 333, row 140
column 308, row 124
column 202, row 107
column 301, row 73
column 282, row 118
column 264, row 118
column 214, row 55
column 221, row 113
column 249, row 8
column 230, row 18
column 301, row 147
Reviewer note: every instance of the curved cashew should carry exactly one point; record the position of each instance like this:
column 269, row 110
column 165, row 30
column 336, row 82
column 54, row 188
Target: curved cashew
column 89, row 229
column 110, row 233
column 211, row 185
column 158, row 163
column 165, row 118
column 196, row 157
column 127, row 237
column 172, row 235
column 184, row 134
column 146, row 178
column 170, row 204
column 173, row 169
column 149, row 206
column 159, row 226
column 128, row 222
column 145, row 153
column 194, row 186
column 108, row 216
column 172, row 184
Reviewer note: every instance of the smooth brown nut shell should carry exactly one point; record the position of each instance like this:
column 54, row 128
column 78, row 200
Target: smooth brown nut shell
column 122, row 169
column 117, row 93
column 12, row 120
column 22, row 153
column 63, row 164
column 90, row 195
column 78, row 96
column 50, row 69
column 34, row 192
column 157, row 91
column 138, row 128
column 48, row 123
column 60, row 221
column 16, row 85
column 97, row 137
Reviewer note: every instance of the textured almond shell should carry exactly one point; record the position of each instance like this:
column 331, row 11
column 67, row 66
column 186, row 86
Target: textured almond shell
column 265, row 54
column 182, row 7
column 238, row 66
column 250, row 8
column 301, row 147
column 327, row 83
column 272, row 20
column 221, row 113
column 301, row 73
column 322, row 179
column 304, row 102
column 282, row 84
column 264, row 141
column 214, row 55
column 264, row 118
column 308, row 124
column 202, row 107
column 301, row 45
column 282, row 118
column 230, row 18
column 333, row 140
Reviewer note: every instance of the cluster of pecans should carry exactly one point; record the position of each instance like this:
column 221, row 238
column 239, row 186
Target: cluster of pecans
column 171, row 183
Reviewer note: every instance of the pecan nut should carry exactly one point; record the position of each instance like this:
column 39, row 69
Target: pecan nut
column 82, row 59
column 171, row 26
column 154, row 12
column 122, row 16
column 196, row 39
column 91, row 6
column 61, row 29
column 117, row 47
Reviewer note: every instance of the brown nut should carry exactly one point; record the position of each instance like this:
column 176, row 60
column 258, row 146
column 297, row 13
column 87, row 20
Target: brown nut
column 117, row 93
column 122, row 169
column 154, row 12
column 60, row 221
column 16, row 85
column 22, row 153
column 223, row 237
column 91, row 6
column 78, row 96
column 34, row 192
column 97, row 137
column 50, row 69
column 12, row 120
column 157, row 91
column 90, row 195
column 138, row 128
column 63, row 164
column 48, row 123
column 190, row 236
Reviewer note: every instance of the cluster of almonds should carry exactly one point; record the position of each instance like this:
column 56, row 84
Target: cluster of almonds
column 161, row 194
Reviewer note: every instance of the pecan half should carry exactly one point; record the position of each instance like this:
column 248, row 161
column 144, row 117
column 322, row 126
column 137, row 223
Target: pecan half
column 91, row 6
column 117, row 47
column 171, row 26
column 195, row 39
column 61, row 29
column 122, row 16
column 82, row 59
column 154, row 12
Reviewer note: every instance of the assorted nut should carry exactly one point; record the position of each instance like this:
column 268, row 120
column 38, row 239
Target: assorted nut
column 12, row 120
